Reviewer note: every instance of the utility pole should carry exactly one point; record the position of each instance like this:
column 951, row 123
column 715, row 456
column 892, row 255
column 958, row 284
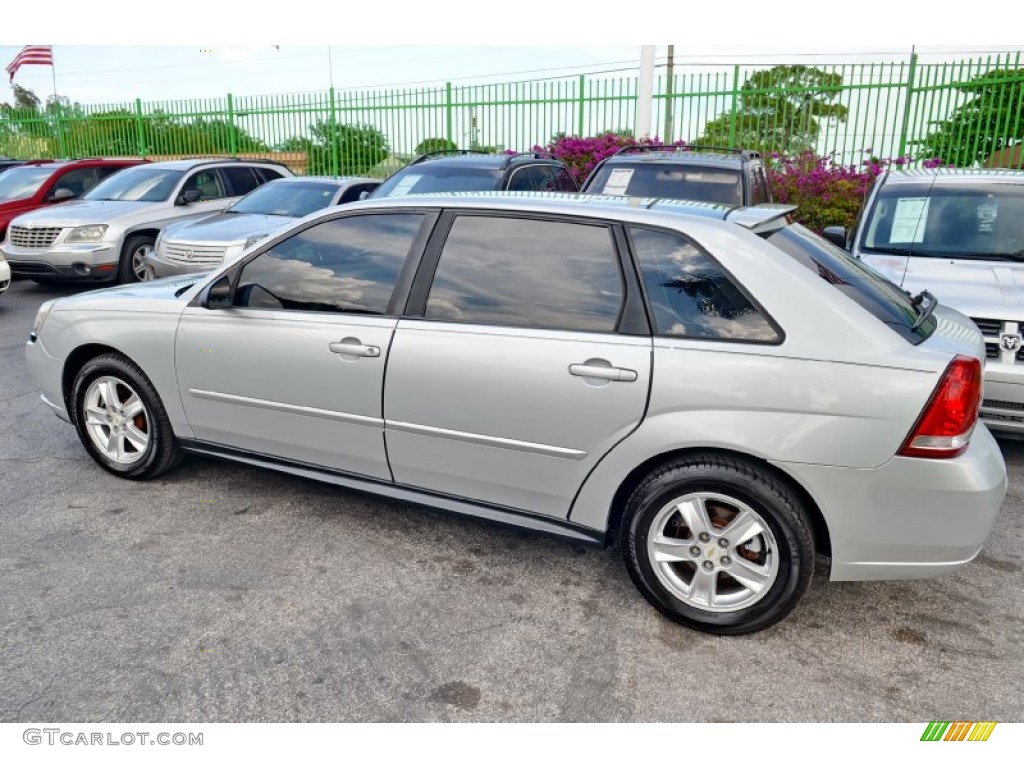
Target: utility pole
column 645, row 94
column 668, row 95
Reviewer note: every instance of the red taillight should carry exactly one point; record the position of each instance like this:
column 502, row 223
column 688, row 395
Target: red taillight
column 945, row 426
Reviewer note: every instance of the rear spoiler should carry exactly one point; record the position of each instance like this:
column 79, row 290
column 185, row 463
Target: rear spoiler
column 761, row 219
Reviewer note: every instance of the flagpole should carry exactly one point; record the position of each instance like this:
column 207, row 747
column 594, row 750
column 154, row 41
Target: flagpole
column 56, row 105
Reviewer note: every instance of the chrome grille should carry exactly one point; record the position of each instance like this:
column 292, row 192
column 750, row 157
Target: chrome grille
column 992, row 351
column 988, row 327
column 1004, row 404
column 33, row 237
column 193, row 254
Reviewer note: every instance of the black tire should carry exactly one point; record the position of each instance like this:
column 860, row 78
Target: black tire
column 723, row 478
column 125, row 268
column 161, row 453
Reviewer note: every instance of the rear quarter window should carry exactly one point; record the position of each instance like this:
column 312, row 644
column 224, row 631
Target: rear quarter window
column 879, row 296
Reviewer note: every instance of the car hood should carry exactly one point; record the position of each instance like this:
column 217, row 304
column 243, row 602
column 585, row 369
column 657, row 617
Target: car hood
column 989, row 289
column 151, row 296
column 225, row 228
column 77, row 213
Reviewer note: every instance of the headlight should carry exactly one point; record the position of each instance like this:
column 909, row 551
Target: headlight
column 255, row 239
column 44, row 310
column 90, row 234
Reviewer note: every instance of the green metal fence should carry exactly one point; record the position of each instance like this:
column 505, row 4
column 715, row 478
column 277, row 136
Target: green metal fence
column 884, row 109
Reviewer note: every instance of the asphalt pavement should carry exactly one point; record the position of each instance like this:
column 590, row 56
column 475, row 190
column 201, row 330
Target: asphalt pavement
column 221, row 592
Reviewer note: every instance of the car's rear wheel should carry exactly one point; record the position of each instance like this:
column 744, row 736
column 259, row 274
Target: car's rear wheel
column 718, row 544
column 120, row 419
column 135, row 259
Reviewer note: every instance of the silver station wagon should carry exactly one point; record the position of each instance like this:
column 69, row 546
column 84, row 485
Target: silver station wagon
column 717, row 389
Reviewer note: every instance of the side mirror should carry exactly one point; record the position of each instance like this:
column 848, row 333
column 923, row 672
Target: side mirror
column 61, row 194
column 835, row 235
column 187, row 197
column 219, row 295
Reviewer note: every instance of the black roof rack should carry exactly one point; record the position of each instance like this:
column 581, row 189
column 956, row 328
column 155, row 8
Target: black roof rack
column 539, row 155
column 437, row 152
column 746, row 154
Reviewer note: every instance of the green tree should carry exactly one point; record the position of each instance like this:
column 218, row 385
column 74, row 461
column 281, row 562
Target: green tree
column 779, row 109
column 435, row 145
column 992, row 118
column 359, row 148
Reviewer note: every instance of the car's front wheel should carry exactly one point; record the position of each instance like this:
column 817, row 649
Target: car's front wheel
column 120, row 419
column 134, row 262
column 718, row 544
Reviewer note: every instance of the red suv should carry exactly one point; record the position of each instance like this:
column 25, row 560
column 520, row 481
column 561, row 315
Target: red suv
column 37, row 183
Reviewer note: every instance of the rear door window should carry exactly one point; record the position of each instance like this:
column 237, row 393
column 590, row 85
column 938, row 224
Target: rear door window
column 882, row 298
column 528, row 273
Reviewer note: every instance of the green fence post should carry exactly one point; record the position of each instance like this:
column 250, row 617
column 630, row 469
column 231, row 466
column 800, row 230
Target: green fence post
column 140, row 128
column 732, row 108
column 60, row 130
column 333, row 134
column 906, row 106
column 232, row 132
column 448, row 112
column 583, row 103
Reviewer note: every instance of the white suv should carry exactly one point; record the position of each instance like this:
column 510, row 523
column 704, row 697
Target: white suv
column 960, row 235
column 107, row 234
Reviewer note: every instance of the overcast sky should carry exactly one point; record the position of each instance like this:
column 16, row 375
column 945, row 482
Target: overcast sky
column 138, row 50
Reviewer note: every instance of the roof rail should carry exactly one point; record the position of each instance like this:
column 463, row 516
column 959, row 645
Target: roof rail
column 436, row 152
column 746, row 154
column 539, row 155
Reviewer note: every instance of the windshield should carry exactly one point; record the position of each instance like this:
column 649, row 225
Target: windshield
column 882, row 298
column 680, row 182
column 420, row 179
column 149, row 185
column 292, row 198
column 958, row 220
column 19, row 183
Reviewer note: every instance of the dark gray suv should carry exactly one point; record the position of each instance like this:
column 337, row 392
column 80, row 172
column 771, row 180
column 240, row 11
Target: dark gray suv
column 469, row 171
column 684, row 172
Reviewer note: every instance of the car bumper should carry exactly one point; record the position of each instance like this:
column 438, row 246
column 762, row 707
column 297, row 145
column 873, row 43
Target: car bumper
column 1003, row 407
column 47, row 371
column 80, row 261
column 909, row 518
column 5, row 276
column 160, row 267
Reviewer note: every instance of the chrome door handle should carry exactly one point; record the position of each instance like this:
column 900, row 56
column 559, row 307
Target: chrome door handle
column 602, row 372
column 353, row 348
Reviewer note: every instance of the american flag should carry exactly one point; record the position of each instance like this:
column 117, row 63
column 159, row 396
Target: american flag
column 31, row 54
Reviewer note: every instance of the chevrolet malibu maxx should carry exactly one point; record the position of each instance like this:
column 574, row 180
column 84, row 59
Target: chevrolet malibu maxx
column 715, row 388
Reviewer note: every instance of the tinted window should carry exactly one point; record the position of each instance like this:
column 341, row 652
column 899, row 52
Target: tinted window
column 883, row 299
column 532, row 178
column 78, row 182
column 690, row 295
column 107, row 170
column 682, row 182
column 760, row 188
column 289, row 198
column 344, row 265
column 208, row 182
column 528, row 273
column 269, row 174
column 357, row 192
column 242, row 180
column 564, row 182
column 19, row 183
column 420, row 179
column 138, row 183
column 961, row 219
